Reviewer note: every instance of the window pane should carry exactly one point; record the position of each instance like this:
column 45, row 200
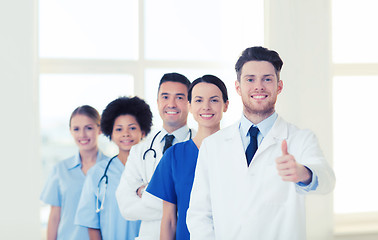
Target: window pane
column 355, row 131
column 354, row 37
column 60, row 94
column 88, row 29
column 201, row 30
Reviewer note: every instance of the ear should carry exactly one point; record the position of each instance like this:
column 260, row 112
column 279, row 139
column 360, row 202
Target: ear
column 71, row 131
column 226, row 106
column 237, row 87
column 143, row 134
column 280, row 86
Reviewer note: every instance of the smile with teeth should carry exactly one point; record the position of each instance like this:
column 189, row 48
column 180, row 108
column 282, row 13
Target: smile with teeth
column 171, row 112
column 84, row 141
column 259, row 96
column 206, row 115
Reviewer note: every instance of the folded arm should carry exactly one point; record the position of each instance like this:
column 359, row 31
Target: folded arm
column 131, row 205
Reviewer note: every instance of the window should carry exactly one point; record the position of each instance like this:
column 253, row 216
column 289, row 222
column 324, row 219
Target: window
column 355, row 60
column 94, row 51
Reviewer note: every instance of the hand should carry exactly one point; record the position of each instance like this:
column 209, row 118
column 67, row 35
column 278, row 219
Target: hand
column 141, row 190
column 290, row 170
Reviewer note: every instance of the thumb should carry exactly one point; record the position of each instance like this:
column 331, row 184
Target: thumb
column 284, row 148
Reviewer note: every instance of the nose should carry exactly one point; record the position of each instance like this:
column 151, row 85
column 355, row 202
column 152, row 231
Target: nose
column 259, row 85
column 82, row 133
column 172, row 102
column 206, row 105
column 126, row 133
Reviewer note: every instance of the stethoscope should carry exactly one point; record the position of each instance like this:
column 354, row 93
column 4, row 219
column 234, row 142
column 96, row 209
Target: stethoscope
column 154, row 151
column 104, row 176
column 152, row 143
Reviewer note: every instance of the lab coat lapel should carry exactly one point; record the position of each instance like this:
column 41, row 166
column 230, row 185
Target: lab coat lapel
column 233, row 140
column 278, row 133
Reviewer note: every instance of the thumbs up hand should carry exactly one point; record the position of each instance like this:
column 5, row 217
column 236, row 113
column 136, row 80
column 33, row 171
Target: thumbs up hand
column 290, row 170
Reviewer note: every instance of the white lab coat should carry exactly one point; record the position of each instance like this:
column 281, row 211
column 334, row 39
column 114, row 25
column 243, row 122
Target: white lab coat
column 138, row 172
column 230, row 200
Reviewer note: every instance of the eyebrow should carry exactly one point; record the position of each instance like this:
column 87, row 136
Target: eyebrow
column 176, row 94
column 216, row 96
column 265, row 75
column 87, row 125
column 120, row 125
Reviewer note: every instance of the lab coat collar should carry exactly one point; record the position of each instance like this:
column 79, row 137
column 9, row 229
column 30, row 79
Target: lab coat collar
column 278, row 133
column 264, row 126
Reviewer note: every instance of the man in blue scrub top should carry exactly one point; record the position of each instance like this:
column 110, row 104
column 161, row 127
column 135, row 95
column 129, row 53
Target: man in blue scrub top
column 134, row 203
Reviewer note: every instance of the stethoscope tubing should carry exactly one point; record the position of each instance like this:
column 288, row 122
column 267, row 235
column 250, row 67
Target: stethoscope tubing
column 152, row 144
column 106, row 171
column 154, row 152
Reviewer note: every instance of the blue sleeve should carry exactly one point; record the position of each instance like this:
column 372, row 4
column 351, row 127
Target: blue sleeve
column 162, row 184
column 311, row 186
column 86, row 215
column 51, row 193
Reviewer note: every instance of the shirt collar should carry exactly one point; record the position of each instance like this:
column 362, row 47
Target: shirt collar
column 76, row 160
column 180, row 134
column 264, row 126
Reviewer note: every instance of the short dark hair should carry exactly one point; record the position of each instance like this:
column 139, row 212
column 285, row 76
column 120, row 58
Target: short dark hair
column 88, row 111
column 174, row 77
column 126, row 106
column 259, row 54
column 209, row 79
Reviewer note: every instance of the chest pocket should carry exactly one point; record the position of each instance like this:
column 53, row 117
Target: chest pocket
column 276, row 191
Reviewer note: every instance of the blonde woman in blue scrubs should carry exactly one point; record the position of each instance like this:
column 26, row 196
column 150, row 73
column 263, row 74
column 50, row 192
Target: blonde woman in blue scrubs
column 63, row 187
column 125, row 121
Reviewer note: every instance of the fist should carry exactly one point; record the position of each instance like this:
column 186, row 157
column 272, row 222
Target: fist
column 289, row 169
column 140, row 190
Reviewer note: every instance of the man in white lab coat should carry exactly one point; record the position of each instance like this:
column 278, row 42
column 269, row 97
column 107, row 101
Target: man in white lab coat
column 264, row 199
column 134, row 203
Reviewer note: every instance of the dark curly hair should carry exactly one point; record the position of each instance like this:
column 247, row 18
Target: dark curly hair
column 126, row 106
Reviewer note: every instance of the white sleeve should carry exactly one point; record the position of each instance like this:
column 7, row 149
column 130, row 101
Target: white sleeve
column 312, row 157
column 200, row 216
column 131, row 206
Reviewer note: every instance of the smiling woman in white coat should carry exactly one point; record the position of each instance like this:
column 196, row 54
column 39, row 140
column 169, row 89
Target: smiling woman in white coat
column 263, row 197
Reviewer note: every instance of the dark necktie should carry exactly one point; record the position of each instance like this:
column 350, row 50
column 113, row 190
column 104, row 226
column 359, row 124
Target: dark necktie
column 168, row 142
column 252, row 147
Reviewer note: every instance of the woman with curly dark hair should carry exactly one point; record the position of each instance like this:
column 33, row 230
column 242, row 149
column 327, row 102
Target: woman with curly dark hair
column 125, row 121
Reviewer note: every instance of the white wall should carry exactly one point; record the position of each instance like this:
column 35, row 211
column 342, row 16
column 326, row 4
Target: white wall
column 300, row 32
column 19, row 141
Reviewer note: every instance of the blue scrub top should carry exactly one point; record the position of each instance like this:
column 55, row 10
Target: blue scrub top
column 109, row 220
column 63, row 189
column 173, row 181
